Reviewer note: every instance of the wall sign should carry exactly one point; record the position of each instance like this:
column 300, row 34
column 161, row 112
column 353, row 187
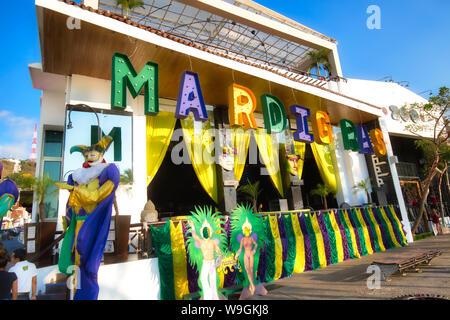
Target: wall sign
column 242, row 104
column 378, row 172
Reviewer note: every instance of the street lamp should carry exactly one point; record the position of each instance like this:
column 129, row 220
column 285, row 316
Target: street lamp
column 71, row 106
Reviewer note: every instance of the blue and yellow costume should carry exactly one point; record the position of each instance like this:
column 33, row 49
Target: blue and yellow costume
column 8, row 195
column 87, row 220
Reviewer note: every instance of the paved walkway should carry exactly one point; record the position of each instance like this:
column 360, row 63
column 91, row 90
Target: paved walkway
column 348, row 279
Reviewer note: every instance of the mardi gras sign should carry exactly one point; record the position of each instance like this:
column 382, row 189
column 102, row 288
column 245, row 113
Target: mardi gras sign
column 242, row 104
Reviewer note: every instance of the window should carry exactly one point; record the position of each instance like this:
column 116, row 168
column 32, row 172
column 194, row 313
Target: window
column 52, row 158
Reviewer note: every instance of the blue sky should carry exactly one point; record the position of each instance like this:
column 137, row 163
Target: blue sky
column 413, row 45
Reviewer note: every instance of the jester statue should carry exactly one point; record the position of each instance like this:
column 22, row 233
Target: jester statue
column 206, row 244
column 88, row 217
column 8, row 195
column 247, row 237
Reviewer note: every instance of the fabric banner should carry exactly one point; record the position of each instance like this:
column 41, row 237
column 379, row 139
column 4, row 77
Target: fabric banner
column 270, row 155
column 159, row 131
column 296, row 242
column 199, row 139
column 322, row 154
column 240, row 139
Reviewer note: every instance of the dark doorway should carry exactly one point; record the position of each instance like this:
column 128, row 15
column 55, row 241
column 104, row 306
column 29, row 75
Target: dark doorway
column 175, row 190
column 252, row 173
column 311, row 178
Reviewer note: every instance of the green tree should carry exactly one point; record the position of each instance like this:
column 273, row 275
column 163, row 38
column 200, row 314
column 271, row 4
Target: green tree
column 43, row 187
column 126, row 177
column 319, row 59
column 435, row 113
column 323, row 191
column 363, row 185
column 129, row 5
column 251, row 191
column 23, row 181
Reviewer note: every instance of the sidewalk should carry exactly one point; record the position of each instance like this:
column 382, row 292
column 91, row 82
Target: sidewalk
column 347, row 280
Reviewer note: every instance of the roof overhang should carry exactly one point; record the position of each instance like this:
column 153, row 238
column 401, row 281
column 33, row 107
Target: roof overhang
column 88, row 51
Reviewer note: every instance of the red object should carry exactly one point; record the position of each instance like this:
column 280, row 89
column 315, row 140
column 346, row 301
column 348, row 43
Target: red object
column 87, row 165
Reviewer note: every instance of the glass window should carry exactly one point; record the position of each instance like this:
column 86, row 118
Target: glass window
column 53, row 168
column 53, row 143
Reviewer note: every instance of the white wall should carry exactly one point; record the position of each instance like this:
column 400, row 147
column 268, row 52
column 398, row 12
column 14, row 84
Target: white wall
column 385, row 94
column 136, row 280
column 352, row 168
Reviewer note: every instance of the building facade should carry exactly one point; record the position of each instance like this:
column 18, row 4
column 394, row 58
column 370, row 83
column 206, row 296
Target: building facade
column 218, row 48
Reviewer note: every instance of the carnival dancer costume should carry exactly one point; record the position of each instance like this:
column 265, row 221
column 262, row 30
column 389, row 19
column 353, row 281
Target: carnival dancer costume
column 88, row 217
column 8, row 195
column 204, row 248
column 247, row 238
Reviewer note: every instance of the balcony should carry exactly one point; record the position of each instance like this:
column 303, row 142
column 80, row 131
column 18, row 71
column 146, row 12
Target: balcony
column 407, row 170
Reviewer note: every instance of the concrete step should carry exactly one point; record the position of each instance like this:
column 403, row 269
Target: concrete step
column 51, row 288
column 52, row 296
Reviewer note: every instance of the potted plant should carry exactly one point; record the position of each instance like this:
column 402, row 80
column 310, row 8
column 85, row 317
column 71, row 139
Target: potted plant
column 43, row 187
column 323, row 191
column 363, row 185
column 251, row 191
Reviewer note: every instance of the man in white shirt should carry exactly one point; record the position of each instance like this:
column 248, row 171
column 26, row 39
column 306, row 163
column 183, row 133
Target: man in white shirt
column 26, row 275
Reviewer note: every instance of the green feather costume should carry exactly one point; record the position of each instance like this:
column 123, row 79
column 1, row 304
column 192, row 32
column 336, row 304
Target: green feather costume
column 243, row 218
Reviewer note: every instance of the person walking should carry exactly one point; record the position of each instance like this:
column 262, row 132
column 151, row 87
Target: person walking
column 8, row 281
column 26, row 275
column 435, row 219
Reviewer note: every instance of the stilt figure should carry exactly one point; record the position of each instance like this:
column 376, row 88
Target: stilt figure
column 247, row 237
column 206, row 244
column 88, row 218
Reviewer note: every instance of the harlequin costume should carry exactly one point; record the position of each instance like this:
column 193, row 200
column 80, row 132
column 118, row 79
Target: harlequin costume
column 88, row 217
column 9, row 194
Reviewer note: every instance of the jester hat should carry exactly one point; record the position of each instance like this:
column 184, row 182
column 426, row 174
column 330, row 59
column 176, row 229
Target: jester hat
column 101, row 146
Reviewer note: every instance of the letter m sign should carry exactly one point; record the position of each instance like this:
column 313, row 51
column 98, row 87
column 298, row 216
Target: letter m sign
column 124, row 76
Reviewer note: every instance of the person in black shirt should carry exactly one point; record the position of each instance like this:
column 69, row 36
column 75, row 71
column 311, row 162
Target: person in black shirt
column 8, row 280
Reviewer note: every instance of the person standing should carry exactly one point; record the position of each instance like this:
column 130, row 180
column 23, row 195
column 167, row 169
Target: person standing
column 26, row 275
column 8, row 281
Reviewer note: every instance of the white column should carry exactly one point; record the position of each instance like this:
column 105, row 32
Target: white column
column 396, row 181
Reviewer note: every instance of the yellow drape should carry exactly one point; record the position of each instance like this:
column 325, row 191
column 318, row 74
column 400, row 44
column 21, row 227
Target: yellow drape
column 319, row 239
column 278, row 247
column 398, row 222
column 269, row 154
column 337, row 234
column 352, row 233
column 240, row 140
column 322, row 154
column 159, row 131
column 389, row 225
column 179, row 260
column 377, row 228
column 365, row 231
column 198, row 137
column 299, row 265
column 300, row 148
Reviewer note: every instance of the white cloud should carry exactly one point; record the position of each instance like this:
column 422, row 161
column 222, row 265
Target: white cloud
column 16, row 136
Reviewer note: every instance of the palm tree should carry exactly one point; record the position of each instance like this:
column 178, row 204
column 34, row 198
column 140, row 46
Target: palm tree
column 363, row 185
column 43, row 187
column 319, row 58
column 127, row 177
column 251, row 191
column 129, row 5
column 323, row 191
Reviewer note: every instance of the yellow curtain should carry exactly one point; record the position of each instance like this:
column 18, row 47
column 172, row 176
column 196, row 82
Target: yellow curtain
column 199, row 139
column 159, row 131
column 299, row 148
column 240, row 140
column 269, row 154
column 322, row 154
